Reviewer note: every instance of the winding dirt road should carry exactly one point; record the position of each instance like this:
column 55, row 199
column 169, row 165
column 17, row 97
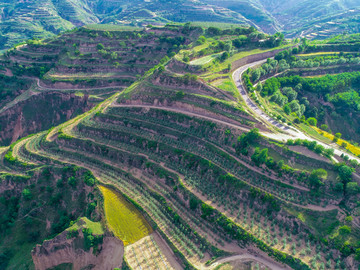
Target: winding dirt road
column 249, row 257
column 288, row 132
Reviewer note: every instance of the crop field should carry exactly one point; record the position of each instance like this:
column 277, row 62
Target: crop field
column 123, row 218
column 186, row 175
column 146, row 253
column 317, row 54
column 352, row 148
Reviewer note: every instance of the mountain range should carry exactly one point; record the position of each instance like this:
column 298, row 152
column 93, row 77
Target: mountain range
column 26, row 19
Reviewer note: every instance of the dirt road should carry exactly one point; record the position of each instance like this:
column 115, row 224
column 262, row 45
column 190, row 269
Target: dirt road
column 249, row 257
column 288, row 132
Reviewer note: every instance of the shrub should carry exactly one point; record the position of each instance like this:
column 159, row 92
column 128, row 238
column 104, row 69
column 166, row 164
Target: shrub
column 357, row 254
column 344, row 230
column 27, row 195
column 89, row 180
column 179, row 95
column 352, row 188
column 72, row 181
column 193, row 203
column 324, row 127
column 349, row 219
column 297, row 120
column 100, row 46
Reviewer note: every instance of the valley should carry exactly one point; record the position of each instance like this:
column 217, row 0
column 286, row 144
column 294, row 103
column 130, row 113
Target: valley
column 183, row 146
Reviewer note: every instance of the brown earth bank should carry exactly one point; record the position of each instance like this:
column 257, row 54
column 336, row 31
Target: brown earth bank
column 38, row 113
column 253, row 58
column 64, row 251
column 84, row 85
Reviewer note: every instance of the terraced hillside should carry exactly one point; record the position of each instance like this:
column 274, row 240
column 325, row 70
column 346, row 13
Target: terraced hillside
column 75, row 72
column 24, row 20
column 208, row 182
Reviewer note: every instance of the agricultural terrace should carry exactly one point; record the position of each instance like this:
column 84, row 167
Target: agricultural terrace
column 123, row 219
column 186, row 153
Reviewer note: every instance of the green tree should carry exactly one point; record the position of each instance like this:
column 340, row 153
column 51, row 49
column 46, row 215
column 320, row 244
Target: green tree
column 352, row 188
column 349, row 219
column 312, row 121
column 259, row 87
column 357, row 254
column 324, row 127
column 255, row 76
column 193, row 203
column 201, row 40
column 329, row 152
column 72, row 181
column 290, row 93
column 345, row 174
column 280, row 164
column 100, row 46
column 113, row 56
column 316, row 178
column 26, row 193
column 260, row 156
column 344, row 230
column 295, row 107
column 224, row 56
column 287, row 109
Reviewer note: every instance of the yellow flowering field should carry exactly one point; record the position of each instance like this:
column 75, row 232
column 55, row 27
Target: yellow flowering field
column 352, row 148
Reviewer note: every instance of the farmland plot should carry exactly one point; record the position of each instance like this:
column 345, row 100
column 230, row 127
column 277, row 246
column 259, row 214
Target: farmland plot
column 123, row 218
column 146, row 254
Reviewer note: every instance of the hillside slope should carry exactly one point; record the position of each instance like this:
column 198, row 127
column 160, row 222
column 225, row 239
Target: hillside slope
column 23, row 20
column 173, row 161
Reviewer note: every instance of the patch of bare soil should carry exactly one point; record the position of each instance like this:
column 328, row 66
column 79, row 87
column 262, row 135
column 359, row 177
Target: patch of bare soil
column 63, row 250
column 8, row 72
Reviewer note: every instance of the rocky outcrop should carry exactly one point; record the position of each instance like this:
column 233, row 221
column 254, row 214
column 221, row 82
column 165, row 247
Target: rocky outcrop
column 62, row 250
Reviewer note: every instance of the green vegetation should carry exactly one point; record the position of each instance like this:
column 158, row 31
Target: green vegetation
column 163, row 145
column 23, row 212
column 296, row 95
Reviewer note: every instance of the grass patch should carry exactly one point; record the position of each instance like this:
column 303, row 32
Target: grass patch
column 229, row 86
column 322, row 223
column 123, row 218
column 204, row 60
column 313, row 133
column 224, row 65
column 95, row 227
